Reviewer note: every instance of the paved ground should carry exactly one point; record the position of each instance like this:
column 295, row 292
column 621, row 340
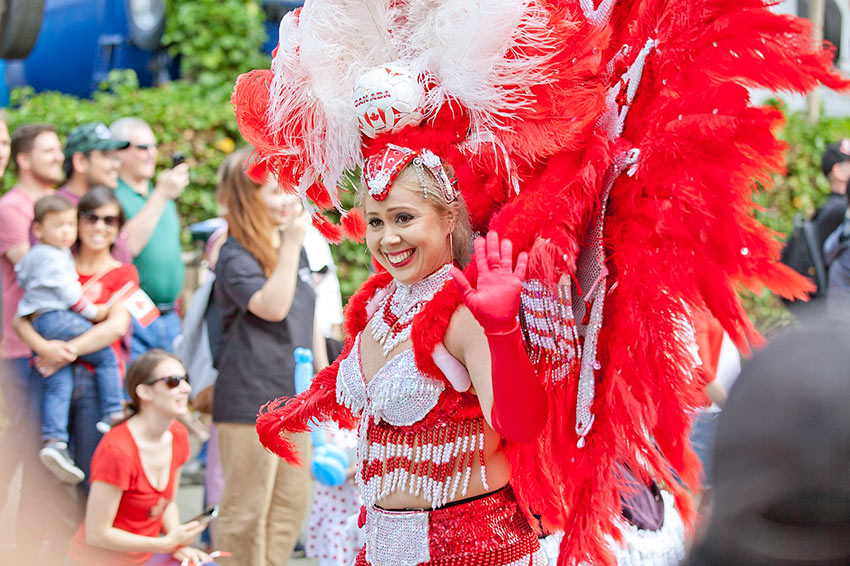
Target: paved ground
column 189, row 500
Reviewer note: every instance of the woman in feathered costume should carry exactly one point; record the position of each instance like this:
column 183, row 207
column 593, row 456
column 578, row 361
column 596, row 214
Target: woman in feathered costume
column 608, row 152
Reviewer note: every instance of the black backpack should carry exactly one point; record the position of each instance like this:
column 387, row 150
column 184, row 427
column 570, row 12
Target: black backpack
column 803, row 254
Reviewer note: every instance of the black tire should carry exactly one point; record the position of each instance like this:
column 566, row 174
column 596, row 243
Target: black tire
column 20, row 25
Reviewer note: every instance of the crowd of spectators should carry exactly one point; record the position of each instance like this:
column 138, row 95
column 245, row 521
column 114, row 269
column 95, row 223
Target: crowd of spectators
column 92, row 269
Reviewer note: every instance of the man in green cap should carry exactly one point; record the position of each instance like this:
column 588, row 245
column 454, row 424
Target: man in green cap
column 90, row 160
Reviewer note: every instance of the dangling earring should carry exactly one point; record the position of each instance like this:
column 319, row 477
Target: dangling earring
column 366, row 259
column 452, row 247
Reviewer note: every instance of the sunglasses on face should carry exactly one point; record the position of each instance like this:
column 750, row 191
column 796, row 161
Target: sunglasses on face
column 171, row 381
column 92, row 218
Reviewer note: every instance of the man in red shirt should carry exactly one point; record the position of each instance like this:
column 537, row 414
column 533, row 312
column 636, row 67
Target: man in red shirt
column 36, row 154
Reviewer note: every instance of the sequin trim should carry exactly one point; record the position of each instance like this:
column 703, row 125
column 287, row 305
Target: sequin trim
column 435, row 462
column 392, row 323
column 398, row 538
column 398, row 393
column 486, row 531
column 382, row 168
column 549, row 328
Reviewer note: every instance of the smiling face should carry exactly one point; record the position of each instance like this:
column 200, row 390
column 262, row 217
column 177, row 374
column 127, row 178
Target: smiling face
column 138, row 161
column 281, row 206
column 405, row 233
column 155, row 394
column 101, row 168
column 99, row 228
column 44, row 161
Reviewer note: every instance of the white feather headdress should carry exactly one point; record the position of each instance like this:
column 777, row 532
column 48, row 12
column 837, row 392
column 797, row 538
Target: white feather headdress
column 483, row 55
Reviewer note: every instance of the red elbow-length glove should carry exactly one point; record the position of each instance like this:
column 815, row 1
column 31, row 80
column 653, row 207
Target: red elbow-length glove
column 519, row 401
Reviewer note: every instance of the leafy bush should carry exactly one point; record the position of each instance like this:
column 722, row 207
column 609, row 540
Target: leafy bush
column 186, row 118
column 801, row 190
column 215, row 40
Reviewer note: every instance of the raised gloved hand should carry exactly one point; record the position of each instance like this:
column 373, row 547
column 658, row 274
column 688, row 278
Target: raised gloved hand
column 494, row 302
column 519, row 401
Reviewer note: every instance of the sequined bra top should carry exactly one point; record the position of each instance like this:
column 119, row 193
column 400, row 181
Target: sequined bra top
column 406, row 443
column 398, row 393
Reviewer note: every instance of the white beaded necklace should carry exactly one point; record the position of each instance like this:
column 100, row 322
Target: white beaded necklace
column 393, row 320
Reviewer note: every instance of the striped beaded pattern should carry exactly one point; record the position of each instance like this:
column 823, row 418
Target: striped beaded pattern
column 434, row 463
column 549, row 328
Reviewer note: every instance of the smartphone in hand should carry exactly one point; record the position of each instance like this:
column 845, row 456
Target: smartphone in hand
column 207, row 515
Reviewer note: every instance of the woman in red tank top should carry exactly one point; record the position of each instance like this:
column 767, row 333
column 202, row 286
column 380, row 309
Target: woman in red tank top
column 131, row 515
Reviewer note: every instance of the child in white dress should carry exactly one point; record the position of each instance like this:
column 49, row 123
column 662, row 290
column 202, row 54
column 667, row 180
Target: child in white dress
column 333, row 536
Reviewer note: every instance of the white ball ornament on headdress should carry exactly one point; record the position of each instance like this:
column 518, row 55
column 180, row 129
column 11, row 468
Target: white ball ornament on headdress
column 387, row 99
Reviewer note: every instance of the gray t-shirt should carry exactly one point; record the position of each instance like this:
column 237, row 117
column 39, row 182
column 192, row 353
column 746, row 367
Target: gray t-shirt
column 255, row 362
column 50, row 282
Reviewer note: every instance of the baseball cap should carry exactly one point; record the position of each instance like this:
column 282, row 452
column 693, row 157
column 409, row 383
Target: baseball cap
column 93, row 135
column 782, row 454
column 834, row 153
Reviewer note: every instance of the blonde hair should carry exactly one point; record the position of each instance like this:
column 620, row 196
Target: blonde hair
column 431, row 193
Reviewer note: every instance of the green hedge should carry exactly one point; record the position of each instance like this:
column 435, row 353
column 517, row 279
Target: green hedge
column 800, row 191
column 803, row 188
column 186, row 117
column 215, row 40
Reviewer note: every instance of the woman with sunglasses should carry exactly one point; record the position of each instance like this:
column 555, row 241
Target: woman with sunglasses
column 104, row 281
column 131, row 514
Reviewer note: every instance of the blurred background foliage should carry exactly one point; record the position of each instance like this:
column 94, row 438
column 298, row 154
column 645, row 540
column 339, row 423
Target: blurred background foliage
column 216, row 40
column 801, row 190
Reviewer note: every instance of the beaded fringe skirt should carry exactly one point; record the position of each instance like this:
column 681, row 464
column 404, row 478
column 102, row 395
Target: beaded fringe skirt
column 486, row 531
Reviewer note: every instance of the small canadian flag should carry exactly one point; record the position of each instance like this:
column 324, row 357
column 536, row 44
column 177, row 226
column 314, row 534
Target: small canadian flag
column 138, row 304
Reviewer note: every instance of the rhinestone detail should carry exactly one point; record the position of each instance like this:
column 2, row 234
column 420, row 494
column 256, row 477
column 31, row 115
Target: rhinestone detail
column 486, row 531
column 391, row 325
column 397, row 538
column 398, row 393
column 432, row 463
column 549, row 328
